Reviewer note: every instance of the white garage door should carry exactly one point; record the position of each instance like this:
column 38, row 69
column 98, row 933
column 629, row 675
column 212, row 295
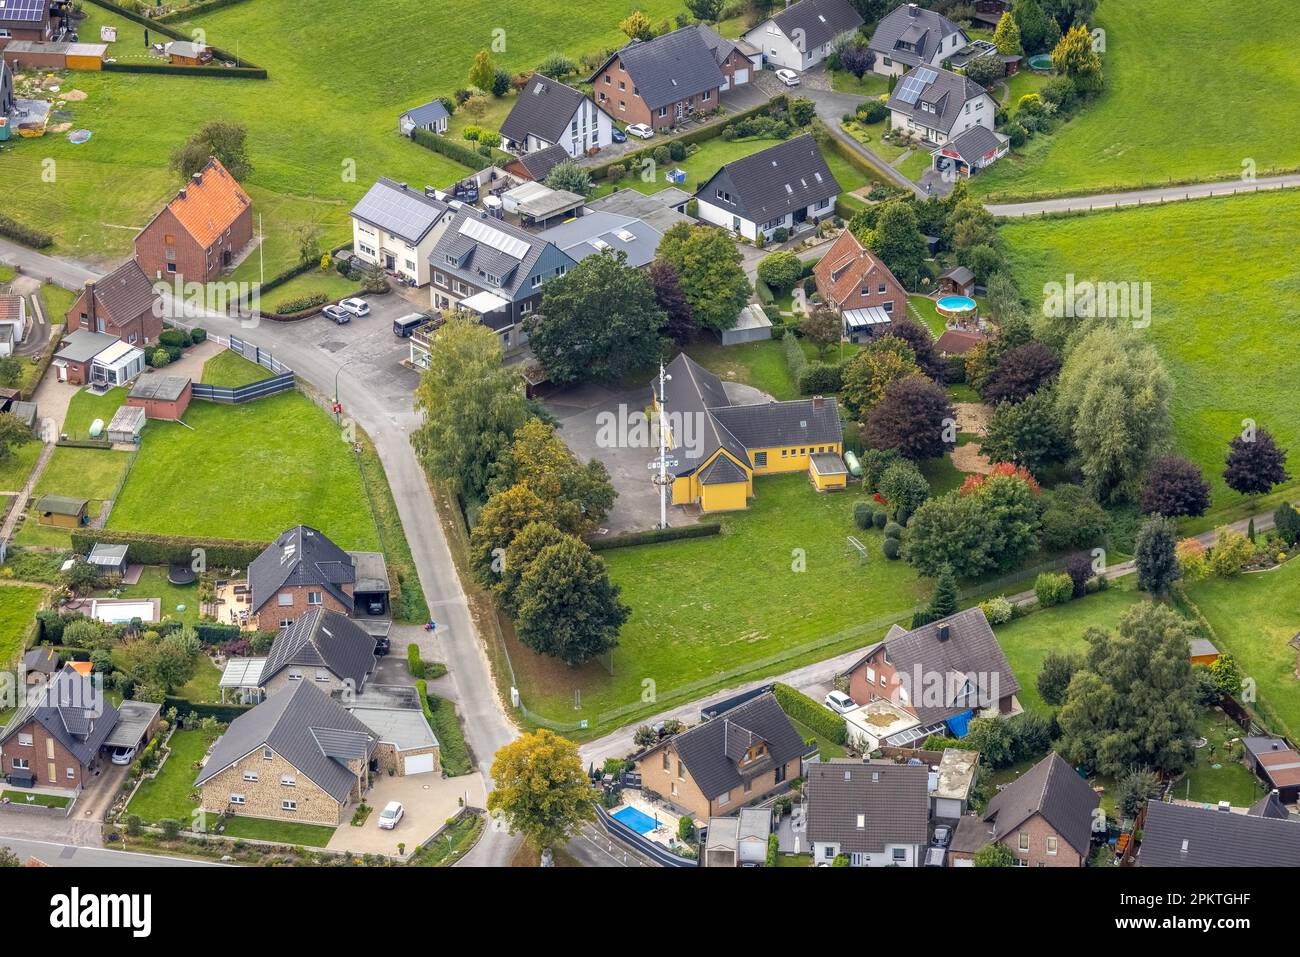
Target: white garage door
column 742, row 76
column 418, row 764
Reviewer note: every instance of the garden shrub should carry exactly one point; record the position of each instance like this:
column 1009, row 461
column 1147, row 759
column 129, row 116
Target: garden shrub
column 650, row 536
column 677, row 151
column 893, row 530
column 301, row 304
column 873, row 111
column 890, row 548
column 998, row 610
column 862, row 514
column 880, row 518
column 811, row 714
column 1053, row 588
column 413, row 663
column 819, row 378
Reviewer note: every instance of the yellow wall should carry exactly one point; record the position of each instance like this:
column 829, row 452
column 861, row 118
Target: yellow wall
column 827, row 482
column 721, row 498
column 687, row 490
column 796, row 459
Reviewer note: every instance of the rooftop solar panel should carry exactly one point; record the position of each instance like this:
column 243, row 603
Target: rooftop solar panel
column 399, row 212
column 26, row 11
column 481, row 232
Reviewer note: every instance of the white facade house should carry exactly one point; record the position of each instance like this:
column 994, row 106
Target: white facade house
column 395, row 228
column 804, row 33
column 13, row 322
column 876, row 813
column 936, row 105
column 548, row 113
column 911, row 35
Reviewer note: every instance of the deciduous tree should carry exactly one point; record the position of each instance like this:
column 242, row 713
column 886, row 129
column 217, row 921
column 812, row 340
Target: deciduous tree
column 227, row 141
column 866, row 376
column 1175, row 486
column 709, row 268
column 916, row 417
column 567, row 606
column 1255, row 464
column 1157, row 565
column 579, row 495
column 539, row 786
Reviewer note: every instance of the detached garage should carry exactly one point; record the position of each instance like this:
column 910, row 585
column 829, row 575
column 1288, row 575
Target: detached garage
column 407, row 744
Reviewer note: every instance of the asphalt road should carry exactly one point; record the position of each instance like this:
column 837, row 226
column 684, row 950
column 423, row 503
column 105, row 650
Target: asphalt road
column 1141, row 197
column 68, row 855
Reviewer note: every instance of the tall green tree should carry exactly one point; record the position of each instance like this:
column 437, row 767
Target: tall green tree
column 598, row 321
column 506, row 513
column 13, row 433
column 1074, row 57
column 1038, row 32
column 1026, row 433
column 1134, row 702
column 1112, row 399
column 1157, row 565
column 1007, row 36
column 942, row 603
column 1255, row 463
column 540, row 787
column 530, row 541
column 471, row 404
column 710, row 271
column 482, row 72
column 705, row 10
column 877, row 365
column 567, row 606
column 567, row 174
column 227, row 141
column 897, row 240
column 578, row 495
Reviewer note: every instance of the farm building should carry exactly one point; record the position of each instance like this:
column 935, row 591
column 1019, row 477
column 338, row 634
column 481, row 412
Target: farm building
column 161, row 396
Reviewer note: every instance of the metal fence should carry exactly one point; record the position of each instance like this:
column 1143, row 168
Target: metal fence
column 280, row 380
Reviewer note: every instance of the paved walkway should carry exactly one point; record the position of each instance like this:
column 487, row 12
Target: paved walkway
column 20, row 501
column 1142, row 197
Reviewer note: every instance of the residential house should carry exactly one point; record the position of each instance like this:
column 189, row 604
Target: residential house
column 1277, row 764
column 782, row 187
column 598, row 232
column 1045, row 817
column 431, row 116
column 13, row 323
column 407, row 745
column 99, row 359
column 738, row 60
column 726, row 762
column 25, row 20
column 801, row 35
column 58, row 738
column 720, row 447
column 854, row 280
column 395, row 228
column 1187, row 835
column 970, row 151
column 298, row 756
column 201, row 232
column 493, row 270
column 319, row 647
column 660, row 82
column 123, row 304
column 739, row 840
column 936, row 106
column 300, row 570
column 548, row 113
column 909, row 36
column 536, row 166
column 41, row 664
column 937, row 677
column 876, row 812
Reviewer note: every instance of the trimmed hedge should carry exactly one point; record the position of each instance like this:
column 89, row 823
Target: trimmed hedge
column 450, row 149
column 225, row 713
column 181, row 69
column 810, row 714
column 212, row 633
column 27, row 235
column 441, row 715
column 820, row 378
column 146, row 548
column 186, row 13
column 654, row 535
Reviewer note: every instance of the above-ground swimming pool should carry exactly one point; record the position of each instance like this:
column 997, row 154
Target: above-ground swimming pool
column 636, row 819
column 953, row 307
column 1041, row 62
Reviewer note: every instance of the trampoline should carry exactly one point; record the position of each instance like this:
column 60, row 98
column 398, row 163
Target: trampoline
column 179, row 574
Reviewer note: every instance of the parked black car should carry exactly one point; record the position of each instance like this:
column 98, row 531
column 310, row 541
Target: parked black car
column 382, row 646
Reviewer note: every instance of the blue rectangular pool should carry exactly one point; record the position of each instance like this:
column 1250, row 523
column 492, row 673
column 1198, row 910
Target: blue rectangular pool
column 637, row 820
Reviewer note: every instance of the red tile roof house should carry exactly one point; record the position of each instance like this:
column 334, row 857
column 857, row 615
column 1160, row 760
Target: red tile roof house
column 201, row 232
column 122, row 304
column 1045, row 817
column 853, row 280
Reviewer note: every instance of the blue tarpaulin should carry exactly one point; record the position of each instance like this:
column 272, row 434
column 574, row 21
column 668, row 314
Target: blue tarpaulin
column 958, row 723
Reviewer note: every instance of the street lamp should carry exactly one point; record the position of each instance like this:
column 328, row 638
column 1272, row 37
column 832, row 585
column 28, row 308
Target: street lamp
column 338, row 408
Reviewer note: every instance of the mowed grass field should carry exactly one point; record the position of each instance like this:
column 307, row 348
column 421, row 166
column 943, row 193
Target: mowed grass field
column 247, row 472
column 1223, row 306
column 18, row 607
column 338, row 82
column 707, row 611
column 1193, row 90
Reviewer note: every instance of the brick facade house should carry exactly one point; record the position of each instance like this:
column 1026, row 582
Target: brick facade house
column 731, row 760
column 26, row 20
column 122, row 304
column 661, row 82
column 850, row 277
column 55, row 739
column 200, row 233
column 299, row 571
column 323, row 648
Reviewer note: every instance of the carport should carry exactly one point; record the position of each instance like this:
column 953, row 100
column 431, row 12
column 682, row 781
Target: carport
column 371, row 587
column 136, row 723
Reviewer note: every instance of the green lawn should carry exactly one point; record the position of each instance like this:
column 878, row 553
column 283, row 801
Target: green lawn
column 86, row 407
column 310, row 283
column 871, row 84
column 320, row 130
column 929, row 314
column 1027, row 641
column 1231, row 781
column 80, row 473
column 41, row 800
column 1241, row 84
column 57, row 302
column 251, row 471
column 1254, row 617
column 827, row 748
column 18, row 607
column 760, row 364
column 1217, row 320
column 203, row 686
column 153, row 583
column 282, row 832
column 231, row 369
column 18, row 466
column 167, row 796
column 711, row 155
column 707, row 611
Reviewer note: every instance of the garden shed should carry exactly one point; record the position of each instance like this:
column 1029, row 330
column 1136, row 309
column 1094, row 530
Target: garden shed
column 61, row 510
column 126, row 425
column 752, row 325
column 161, row 396
column 109, row 559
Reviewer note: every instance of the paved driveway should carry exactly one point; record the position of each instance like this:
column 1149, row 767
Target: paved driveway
column 429, row 800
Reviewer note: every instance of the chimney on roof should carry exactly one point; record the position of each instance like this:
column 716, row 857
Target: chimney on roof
column 197, row 177
column 944, row 633
column 1225, row 807
column 818, row 402
column 911, row 9
column 181, row 194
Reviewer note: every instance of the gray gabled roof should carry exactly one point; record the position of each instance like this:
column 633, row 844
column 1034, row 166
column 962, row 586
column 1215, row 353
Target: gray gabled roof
column 427, row 113
column 301, row 555
column 44, row 660
column 539, row 163
column 1053, row 789
column 916, row 25
column 669, row 68
column 73, row 709
column 820, row 20
column 974, row 143
column 721, row 471
column 794, row 422
column 159, row 387
column 544, row 108
column 944, row 95
column 483, row 246
column 778, row 180
column 1179, row 835
column 396, row 208
column 710, row 750
column 893, row 800
column 305, row 727
column 597, row 232
column 692, row 392
column 1270, row 805
column 125, row 294
column 322, row 639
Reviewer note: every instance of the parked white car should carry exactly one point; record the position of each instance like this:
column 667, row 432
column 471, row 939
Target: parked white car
column 640, row 130
column 390, row 815
column 840, row 703
column 788, row 77
column 122, row 755
column 358, row 307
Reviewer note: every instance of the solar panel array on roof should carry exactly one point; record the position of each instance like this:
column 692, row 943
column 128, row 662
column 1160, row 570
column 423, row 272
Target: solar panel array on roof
column 27, row 11
column 915, row 84
column 399, row 211
column 480, row 231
